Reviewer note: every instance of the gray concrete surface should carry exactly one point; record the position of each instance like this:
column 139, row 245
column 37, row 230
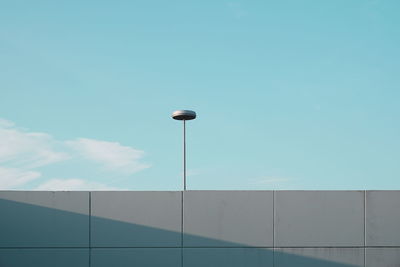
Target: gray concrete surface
column 382, row 218
column 222, row 228
column 319, row 257
column 40, row 257
column 141, row 257
column 228, row 218
column 44, row 219
column 319, row 218
column 229, row 257
column 382, row 257
column 136, row 219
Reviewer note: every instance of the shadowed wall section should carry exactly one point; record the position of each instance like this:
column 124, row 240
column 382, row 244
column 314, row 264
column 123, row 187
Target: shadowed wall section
column 200, row 228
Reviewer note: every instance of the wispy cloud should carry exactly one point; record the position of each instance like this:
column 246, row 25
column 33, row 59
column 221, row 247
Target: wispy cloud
column 111, row 155
column 72, row 185
column 272, row 180
column 23, row 154
column 27, row 149
column 12, row 177
column 192, row 172
column 5, row 123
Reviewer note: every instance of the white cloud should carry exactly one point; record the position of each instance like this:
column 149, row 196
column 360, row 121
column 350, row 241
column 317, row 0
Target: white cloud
column 5, row 123
column 112, row 155
column 23, row 152
column 273, row 180
column 276, row 183
column 27, row 149
column 11, row 178
column 72, row 185
column 191, row 172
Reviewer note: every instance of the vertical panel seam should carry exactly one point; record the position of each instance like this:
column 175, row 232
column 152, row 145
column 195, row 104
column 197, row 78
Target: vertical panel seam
column 90, row 229
column 365, row 226
column 273, row 227
column 182, row 229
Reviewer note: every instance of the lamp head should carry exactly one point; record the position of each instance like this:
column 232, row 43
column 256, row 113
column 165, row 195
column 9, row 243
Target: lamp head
column 184, row 115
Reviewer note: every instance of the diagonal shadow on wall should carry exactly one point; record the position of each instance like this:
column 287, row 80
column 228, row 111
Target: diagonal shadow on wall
column 33, row 235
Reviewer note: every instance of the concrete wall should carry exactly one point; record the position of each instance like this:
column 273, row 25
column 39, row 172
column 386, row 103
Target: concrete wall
column 200, row 228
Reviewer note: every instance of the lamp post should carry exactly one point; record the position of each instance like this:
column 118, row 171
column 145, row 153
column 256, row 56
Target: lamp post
column 184, row 115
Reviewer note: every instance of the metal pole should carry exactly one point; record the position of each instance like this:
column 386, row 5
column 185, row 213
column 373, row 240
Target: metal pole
column 184, row 155
column 184, row 115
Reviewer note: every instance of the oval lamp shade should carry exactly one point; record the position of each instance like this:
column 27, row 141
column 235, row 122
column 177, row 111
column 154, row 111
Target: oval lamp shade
column 184, row 115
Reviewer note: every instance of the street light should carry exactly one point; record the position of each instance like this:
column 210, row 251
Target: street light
column 184, row 115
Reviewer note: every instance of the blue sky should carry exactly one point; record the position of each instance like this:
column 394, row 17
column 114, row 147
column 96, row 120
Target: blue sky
column 289, row 94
